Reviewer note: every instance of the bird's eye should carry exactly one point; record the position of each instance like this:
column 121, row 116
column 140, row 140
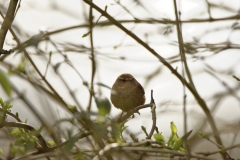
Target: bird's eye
column 122, row 80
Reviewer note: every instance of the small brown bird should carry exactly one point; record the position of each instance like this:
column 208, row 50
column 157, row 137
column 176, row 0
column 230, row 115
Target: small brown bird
column 127, row 93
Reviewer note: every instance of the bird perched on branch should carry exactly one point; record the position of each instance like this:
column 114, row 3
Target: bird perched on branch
column 127, row 93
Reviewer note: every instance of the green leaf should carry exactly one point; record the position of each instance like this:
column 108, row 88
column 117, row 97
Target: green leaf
column 23, row 149
column 1, row 101
column 68, row 147
column 20, row 142
column 181, row 140
column 116, row 133
column 203, row 134
column 178, row 144
column 51, row 143
column 21, row 67
column 72, row 108
column 56, row 66
column 31, row 141
column 172, row 139
column 15, row 132
column 159, row 137
column 173, row 128
column 6, row 105
column 238, row 79
column 5, row 83
column 99, row 130
column 134, row 138
column 12, row 150
column 0, row 151
column 103, row 105
column 143, row 128
column 50, row 54
column 85, row 35
column 123, row 128
column 79, row 156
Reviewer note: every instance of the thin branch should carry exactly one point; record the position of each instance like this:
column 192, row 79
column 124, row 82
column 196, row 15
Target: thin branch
column 130, row 113
column 181, row 46
column 184, row 66
column 154, row 117
column 61, row 77
column 230, row 90
column 220, row 150
column 6, row 25
column 209, row 9
column 49, row 61
column 92, row 59
column 147, row 21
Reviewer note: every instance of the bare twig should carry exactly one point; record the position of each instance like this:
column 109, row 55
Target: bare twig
column 61, row 77
column 181, row 46
column 130, row 113
column 147, row 21
column 220, row 150
column 154, row 117
column 6, row 25
column 92, row 59
column 184, row 66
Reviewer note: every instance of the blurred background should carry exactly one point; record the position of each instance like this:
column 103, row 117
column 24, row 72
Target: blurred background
column 68, row 61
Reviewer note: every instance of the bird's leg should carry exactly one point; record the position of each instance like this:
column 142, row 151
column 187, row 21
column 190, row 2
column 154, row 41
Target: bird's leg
column 120, row 116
